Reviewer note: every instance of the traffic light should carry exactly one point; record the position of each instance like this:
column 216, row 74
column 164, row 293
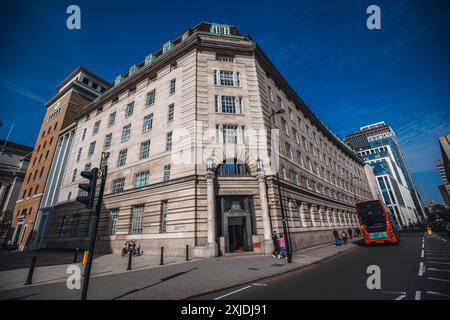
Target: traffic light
column 90, row 187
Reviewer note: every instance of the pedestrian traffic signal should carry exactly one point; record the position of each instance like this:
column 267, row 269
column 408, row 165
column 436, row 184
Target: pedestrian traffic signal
column 90, row 187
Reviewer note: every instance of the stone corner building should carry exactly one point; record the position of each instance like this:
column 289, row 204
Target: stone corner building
column 203, row 96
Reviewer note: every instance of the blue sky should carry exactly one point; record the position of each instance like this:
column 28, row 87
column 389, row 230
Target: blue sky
column 349, row 76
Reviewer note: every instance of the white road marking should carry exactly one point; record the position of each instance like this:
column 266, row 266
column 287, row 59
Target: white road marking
column 439, row 270
column 437, row 279
column 418, row 295
column 438, row 262
column 421, row 269
column 233, row 292
column 402, row 296
column 423, row 245
column 422, row 254
column 438, row 294
column 260, row 285
column 439, row 258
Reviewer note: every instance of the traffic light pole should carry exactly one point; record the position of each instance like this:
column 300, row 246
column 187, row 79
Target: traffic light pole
column 87, row 270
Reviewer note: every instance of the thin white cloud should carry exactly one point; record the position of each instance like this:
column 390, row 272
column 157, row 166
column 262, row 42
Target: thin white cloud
column 21, row 90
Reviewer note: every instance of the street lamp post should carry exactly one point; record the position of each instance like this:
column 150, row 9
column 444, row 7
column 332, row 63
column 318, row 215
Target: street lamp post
column 283, row 216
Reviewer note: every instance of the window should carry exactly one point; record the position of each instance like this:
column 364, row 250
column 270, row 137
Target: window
column 295, row 135
column 91, row 148
column 46, row 154
column 269, row 90
column 172, row 86
column 94, row 85
column 305, row 143
column 300, row 159
column 241, row 105
column 166, row 173
column 87, row 167
column 107, row 142
column 222, row 30
column 170, row 112
column 117, row 185
column 216, row 104
column 145, row 150
column 293, row 177
column 85, row 80
column 215, row 77
column 232, row 167
column 141, row 179
column 163, row 216
column 51, row 140
column 74, row 176
column 96, row 128
column 280, row 102
column 151, row 97
column 226, row 78
column 228, row 104
column 288, row 151
column 137, row 220
column 129, row 109
column 224, row 58
column 284, row 127
column 122, row 159
column 113, row 218
column 148, row 123
column 126, row 131
column 112, row 118
column 36, row 190
column 173, row 66
column 229, row 134
column 69, row 196
column 84, row 134
column 169, row 141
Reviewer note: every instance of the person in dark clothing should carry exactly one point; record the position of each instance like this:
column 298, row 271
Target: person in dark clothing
column 276, row 244
column 350, row 233
column 344, row 237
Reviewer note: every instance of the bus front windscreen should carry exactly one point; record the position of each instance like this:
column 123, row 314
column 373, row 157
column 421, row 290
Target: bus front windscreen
column 372, row 216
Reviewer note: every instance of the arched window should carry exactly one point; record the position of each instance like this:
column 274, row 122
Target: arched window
column 231, row 168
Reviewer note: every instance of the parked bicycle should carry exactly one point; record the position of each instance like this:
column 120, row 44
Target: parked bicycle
column 130, row 248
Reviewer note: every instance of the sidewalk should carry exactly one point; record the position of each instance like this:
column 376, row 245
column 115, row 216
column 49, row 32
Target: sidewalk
column 177, row 279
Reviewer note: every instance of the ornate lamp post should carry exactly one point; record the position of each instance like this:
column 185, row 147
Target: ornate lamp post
column 210, row 175
column 283, row 216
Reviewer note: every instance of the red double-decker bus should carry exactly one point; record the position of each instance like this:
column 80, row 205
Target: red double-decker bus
column 377, row 224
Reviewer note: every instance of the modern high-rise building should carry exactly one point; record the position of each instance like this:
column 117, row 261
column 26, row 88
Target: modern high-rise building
column 76, row 91
column 444, row 167
column 378, row 146
column 193, row 160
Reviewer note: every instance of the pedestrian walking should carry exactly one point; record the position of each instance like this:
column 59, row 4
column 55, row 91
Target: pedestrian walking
column 276, row 246
column 282, row 245
column 344, row 237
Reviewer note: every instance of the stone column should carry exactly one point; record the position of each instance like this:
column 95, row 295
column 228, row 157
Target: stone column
column 328, row 212
column 340, row 217
column 312, row 213
column 334, row 218
column 268, row 244
column 322, row 218
column 304, row 213
column 212, row 245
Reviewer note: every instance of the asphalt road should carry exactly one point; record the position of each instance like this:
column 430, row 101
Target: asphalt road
column 416, row 269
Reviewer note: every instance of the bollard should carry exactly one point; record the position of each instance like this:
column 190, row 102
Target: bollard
column 161, row 262
column 130, row 255
column 31, row 270
column 75, row 257
column 187, row 252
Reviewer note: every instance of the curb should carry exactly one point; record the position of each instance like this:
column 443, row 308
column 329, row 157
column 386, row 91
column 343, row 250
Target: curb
column 267, row 277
